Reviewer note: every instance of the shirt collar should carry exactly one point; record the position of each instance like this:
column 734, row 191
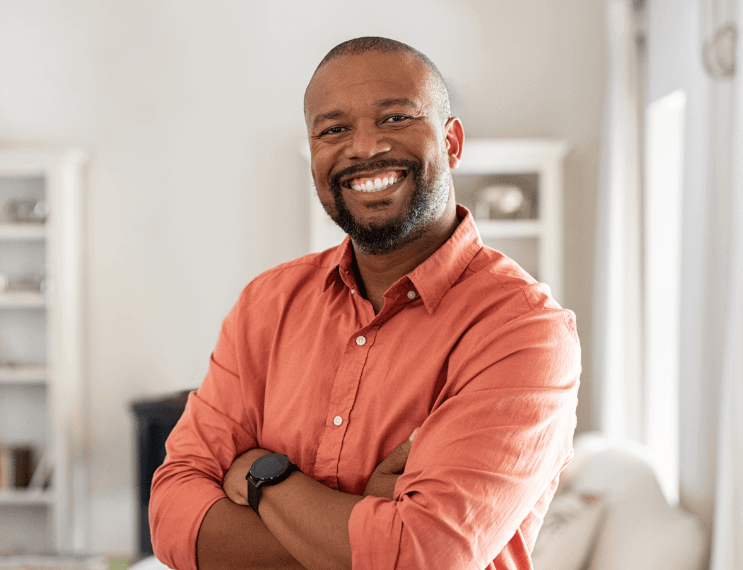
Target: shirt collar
column 435, row 276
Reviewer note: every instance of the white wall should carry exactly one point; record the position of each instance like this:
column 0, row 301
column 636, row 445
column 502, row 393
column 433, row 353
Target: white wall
column 192, row 111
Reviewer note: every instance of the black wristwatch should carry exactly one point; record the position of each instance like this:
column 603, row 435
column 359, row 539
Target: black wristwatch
column 267, row 470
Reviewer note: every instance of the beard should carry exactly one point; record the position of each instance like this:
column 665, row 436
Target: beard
column 428, row 198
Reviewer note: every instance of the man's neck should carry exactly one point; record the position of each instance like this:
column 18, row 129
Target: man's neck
column 376, row 273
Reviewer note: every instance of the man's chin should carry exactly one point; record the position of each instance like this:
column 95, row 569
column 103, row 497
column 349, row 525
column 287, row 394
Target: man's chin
column 381, row 239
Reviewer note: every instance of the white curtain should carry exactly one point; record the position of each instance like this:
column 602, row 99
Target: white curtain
column 726, row 183
column 712, row 356
column 617, row 287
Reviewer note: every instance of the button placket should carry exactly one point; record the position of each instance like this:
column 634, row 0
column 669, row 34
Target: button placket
column 341, row 402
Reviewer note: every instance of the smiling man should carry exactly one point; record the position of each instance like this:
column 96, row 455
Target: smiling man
column 404, row 400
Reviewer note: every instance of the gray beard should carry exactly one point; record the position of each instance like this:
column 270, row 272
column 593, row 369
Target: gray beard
column 427, row 199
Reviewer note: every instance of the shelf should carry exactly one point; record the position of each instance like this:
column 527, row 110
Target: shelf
column 22, row 301
column 22, row 232
column 23, row 374
column 25, row 497
column 509, row 228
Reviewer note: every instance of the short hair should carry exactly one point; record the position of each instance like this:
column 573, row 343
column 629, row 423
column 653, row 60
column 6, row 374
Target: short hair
column 358, row 46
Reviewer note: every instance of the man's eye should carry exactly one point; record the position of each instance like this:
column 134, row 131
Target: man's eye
column 332, row 131
column 395, row 118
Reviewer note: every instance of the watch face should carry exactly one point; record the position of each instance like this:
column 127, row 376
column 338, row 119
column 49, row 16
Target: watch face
column 269, row 466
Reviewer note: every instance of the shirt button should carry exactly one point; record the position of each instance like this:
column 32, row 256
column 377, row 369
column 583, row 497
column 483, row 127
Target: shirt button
column 411, row 294
column 353, row 291
column 337, row 420
column 361, row 340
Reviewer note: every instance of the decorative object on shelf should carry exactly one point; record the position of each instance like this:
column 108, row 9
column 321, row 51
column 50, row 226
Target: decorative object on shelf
column 16, row 466
column 43, row 473
column 502, row 201
column 28, row 210
column 23, row 466
column 6, row 477
column 24, row 283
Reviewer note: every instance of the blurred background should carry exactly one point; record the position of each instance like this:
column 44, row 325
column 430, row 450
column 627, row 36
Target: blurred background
column 190, row 113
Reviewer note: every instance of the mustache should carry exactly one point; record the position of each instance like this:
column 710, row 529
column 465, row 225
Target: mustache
column 412, row 165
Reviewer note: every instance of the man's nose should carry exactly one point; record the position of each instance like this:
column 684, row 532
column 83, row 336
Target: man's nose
column 367, row 141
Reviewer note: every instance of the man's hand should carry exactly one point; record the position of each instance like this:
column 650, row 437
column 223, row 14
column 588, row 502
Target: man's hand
column 383, row 479
column 235, row 486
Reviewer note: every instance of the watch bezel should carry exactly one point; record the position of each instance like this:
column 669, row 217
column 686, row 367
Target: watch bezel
column 267, row 478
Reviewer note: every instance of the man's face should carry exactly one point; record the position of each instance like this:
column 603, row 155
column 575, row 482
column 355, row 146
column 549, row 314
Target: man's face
column 379, row 148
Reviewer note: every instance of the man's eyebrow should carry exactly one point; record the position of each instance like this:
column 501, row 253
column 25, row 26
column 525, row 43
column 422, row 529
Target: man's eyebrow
column 329, row 116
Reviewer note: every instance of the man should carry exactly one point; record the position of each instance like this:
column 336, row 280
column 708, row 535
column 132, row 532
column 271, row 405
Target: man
column 424, row 385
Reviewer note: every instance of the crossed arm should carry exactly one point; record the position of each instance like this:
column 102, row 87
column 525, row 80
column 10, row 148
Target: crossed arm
column 303, row 523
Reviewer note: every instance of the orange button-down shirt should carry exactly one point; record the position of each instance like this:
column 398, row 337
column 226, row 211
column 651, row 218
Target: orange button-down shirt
column 467, row 346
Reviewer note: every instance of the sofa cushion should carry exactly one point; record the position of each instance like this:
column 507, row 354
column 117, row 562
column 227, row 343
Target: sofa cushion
column 569, row 530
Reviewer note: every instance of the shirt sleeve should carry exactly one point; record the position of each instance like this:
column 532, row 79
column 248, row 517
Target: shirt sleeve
column 488, row 454
column 212, row 431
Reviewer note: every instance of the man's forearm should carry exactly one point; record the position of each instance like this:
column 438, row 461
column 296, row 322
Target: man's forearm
column 310, row 521
column 233, row 537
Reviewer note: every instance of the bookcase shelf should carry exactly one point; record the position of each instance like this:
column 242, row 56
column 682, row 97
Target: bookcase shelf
column 22, row 232
column 22, row 300
column 509, row 228
column 27, row 497
column 23, row 374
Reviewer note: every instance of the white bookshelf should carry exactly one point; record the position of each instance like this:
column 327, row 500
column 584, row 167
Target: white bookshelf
column 41, row 347
column 535, row 165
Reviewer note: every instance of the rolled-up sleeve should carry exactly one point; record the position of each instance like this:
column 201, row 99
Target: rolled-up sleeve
column 484, row 460
column 209, row 435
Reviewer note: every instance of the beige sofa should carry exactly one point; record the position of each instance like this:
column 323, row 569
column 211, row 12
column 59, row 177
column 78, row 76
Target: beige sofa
column 610, row 513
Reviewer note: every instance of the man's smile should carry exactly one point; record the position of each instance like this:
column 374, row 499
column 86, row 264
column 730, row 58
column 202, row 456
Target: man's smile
column 375, row 182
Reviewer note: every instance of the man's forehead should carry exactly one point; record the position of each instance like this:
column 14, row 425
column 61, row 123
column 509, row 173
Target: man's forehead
column 399, row 70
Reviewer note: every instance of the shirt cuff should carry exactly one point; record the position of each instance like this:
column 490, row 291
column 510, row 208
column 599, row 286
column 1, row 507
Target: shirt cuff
column 176, row 521
column 374, row 545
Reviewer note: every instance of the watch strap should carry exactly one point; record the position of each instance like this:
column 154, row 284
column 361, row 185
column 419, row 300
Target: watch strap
column 254, row 494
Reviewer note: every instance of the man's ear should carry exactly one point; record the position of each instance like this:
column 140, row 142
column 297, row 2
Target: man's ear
column 454, row 141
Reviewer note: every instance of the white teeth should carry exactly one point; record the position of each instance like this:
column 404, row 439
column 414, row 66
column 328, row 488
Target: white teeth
column 376, row 186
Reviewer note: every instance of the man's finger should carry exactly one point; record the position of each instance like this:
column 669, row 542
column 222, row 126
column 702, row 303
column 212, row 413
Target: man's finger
column 396, row 460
